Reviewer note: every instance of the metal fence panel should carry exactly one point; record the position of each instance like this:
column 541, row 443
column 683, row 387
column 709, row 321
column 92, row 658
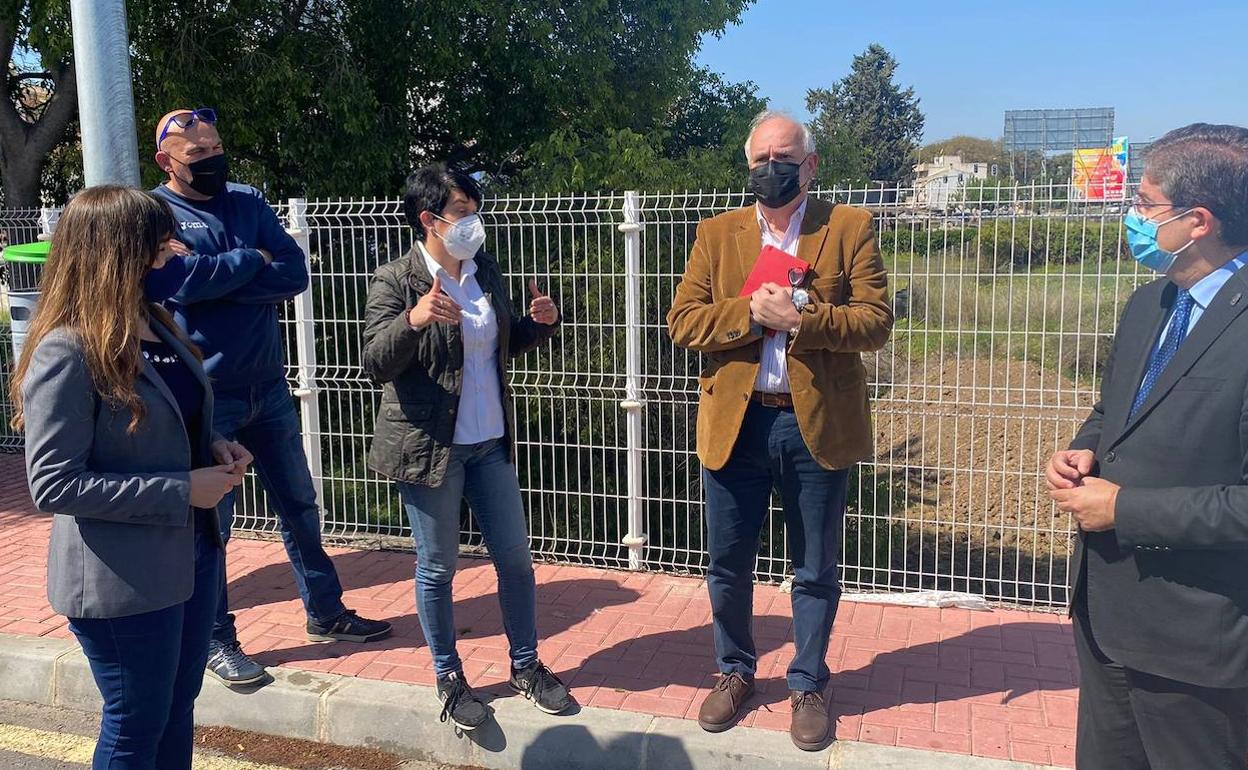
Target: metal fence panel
column 16, row 226
column 1005, row 304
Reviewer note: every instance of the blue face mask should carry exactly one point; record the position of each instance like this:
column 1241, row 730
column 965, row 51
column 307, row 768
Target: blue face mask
column 160, row 285
column 1142, row 238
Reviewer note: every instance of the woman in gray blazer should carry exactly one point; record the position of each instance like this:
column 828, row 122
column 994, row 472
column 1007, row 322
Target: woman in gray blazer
column 118, row 414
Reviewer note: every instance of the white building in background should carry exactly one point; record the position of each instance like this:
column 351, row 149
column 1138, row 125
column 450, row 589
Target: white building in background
column 936, row 184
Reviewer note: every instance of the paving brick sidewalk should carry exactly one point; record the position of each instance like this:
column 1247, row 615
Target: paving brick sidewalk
column 994, row 684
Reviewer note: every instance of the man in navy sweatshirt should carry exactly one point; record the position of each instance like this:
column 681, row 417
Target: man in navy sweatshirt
column 240, row 265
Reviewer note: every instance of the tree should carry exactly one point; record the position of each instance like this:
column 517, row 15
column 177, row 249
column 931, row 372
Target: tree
column 1057, row 168
column 40, row 94
column 842, row 160
column 697, row 141
column 866, row 109
column 312, row 95
column 342, row 97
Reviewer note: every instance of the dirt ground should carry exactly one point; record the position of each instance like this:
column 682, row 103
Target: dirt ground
column 960, row 447
column 297, row 754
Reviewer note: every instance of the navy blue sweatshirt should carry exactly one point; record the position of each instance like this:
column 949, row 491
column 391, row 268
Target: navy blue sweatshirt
column 229, row 301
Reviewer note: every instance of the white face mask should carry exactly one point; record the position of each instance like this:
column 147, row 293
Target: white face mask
column 464, row 238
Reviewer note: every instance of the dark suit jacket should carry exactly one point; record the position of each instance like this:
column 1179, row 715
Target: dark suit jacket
column 123, row 539
column 1167, row 589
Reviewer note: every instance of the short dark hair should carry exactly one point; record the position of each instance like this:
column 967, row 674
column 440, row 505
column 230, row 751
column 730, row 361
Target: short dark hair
column 430, row 188
column 1205, row 165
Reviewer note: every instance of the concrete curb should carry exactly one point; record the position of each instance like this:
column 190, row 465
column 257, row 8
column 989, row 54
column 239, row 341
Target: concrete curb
column 403, row 719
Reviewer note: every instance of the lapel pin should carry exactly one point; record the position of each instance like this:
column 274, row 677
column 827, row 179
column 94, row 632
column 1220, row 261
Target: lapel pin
column 1235, row 299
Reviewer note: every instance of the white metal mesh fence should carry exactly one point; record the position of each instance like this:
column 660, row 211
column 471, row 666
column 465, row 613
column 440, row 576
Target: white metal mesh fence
column 1005, row 309
column 16, row 226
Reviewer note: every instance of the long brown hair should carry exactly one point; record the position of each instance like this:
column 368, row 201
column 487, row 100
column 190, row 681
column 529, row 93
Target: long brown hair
column 104, row 245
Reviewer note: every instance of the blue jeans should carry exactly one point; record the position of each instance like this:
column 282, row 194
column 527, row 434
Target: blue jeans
column 481, row 474
column 149, row 669
column 263, row 419
column 770, row 453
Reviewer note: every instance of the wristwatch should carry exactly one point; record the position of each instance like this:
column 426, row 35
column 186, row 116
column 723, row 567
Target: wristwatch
column 801, row 298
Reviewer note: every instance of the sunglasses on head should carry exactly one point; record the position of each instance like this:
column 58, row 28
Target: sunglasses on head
column 185, row 120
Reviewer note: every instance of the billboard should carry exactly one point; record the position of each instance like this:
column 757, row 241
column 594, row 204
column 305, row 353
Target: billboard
column 1135, row 171
column 1100, row 174
column 1058, row 130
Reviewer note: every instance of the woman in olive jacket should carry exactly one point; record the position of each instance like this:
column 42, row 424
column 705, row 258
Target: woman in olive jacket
column 438, row 332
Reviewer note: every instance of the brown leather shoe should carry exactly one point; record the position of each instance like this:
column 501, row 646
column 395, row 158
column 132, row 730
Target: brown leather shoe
column 720, row 709
column 811, row 725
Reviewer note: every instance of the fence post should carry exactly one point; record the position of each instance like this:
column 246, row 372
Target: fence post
column 632, row 403
column 305, row 355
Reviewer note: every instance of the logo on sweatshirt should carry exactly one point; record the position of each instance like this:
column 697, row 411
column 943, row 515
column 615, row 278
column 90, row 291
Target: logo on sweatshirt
column 194, row 225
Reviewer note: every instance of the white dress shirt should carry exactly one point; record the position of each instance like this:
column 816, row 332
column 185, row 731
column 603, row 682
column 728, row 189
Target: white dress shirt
column 773, row 364
column 1203, row 294
column 480, row 415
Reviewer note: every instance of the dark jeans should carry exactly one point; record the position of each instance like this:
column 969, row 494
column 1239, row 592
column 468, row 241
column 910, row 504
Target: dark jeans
column 149, row 669
column 770, row 454
column 263, row 419
column 481, row 474
column 1130, row 720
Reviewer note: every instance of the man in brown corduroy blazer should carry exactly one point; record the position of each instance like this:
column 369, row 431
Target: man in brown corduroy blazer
column 783, row 406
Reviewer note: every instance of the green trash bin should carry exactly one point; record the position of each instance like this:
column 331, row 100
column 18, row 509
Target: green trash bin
column 23, row 269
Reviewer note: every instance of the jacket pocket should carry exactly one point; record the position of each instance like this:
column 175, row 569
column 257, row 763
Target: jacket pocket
column 411, row 448
column 828, row 289
column 415, row 413
column 1201, row 384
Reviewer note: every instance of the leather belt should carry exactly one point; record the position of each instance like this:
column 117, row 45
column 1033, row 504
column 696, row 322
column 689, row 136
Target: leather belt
column 775, row 400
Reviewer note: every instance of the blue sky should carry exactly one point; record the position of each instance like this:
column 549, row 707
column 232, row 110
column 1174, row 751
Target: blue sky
column 1160, row 65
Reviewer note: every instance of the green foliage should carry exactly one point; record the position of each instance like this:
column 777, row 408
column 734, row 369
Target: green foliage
column 1033, row 242
column 343, row 97
column 1057, row 168
column 699, row 145
column 624, row 159
column 989, row 193
column 925, row 240
column 867, row 110
column 972, row 149
column 1035, row 167
column 311, row 102
column 842, row 158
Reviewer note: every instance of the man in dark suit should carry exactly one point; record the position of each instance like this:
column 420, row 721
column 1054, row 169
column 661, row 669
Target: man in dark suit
column 1157, row 479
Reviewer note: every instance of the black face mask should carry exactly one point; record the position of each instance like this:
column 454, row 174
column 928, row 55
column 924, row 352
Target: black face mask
column 208, row 175
column 776, row 183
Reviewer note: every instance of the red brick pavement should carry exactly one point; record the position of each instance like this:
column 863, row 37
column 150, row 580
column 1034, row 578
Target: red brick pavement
column 993, row 684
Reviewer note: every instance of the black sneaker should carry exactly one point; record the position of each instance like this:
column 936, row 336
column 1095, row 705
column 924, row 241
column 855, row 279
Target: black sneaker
column 228, row 663
column 540, row 685
column 459, row 703
column 348, row 627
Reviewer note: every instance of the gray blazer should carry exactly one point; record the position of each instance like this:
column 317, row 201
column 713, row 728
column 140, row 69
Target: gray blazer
column 123, row 539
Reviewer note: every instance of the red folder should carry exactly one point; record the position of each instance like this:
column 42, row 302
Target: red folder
column 773, row 266
column 778, row 267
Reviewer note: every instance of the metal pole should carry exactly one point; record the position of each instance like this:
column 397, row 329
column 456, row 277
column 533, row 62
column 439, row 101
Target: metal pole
column 307, row 390
column 110, row 152
column 632, row 403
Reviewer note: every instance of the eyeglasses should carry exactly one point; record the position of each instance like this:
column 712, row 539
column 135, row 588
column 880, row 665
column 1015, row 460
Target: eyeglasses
column 185, row 120
column 1138, row 202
